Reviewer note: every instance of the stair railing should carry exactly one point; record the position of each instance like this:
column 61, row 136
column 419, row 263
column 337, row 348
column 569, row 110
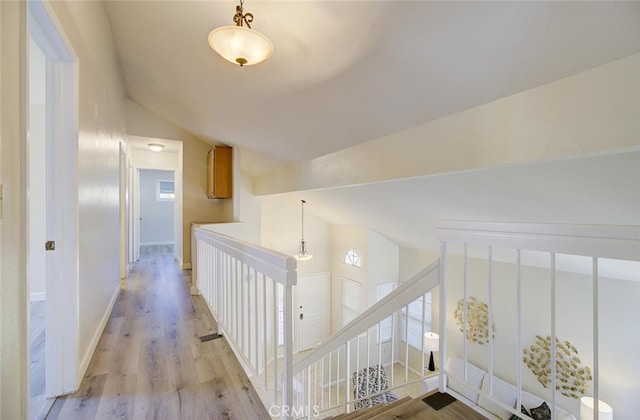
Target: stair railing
column 248, row 290
column 323, row 378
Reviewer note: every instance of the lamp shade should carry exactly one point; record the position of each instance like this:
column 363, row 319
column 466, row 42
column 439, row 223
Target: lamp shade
column 431, row 341
column 303, row 253
column 605, row 412
column 156, row 147
column 240, row 45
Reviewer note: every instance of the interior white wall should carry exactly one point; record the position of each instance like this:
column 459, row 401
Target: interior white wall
column 247, row 213
column 37, row 184
column 146, row 159
column 13, row 255
column 383, row 263
column 156, row 226
column 619, row 336
column 591, row 112
column 281, row 231
column 101, row 129
column 413, row 260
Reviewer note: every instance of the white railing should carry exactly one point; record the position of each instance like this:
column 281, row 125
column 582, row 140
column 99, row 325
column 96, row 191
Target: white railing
column 479, row 249
column 249, row 292
column 324, row 379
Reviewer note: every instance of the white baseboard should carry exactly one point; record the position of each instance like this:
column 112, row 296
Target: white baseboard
column 37, row 297
column 84, row 364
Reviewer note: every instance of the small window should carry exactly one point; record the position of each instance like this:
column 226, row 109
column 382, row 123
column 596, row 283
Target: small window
column 352, row 258
column 165, row 190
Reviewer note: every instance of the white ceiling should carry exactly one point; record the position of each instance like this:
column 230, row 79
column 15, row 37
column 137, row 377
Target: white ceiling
column 344, row 72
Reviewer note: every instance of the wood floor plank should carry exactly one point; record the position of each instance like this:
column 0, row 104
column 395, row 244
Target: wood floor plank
column 84, row 403
column 119, row 401
column 150, row 363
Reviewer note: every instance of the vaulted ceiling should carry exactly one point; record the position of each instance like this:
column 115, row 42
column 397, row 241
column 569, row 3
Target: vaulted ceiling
column 347, row 72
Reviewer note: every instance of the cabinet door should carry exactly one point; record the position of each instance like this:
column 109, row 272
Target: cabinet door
column 219, row 172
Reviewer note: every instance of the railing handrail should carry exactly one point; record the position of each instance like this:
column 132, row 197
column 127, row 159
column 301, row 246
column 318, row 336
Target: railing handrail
column 605, row 241
column 407, row 292
column 272, row 263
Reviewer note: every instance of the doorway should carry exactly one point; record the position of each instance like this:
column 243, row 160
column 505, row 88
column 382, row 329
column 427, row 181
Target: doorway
column 52, row 211
column 157, row 196
column 313, row 294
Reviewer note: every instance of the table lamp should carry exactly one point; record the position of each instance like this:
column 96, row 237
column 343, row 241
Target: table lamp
column 431, row 343
column 605, row 412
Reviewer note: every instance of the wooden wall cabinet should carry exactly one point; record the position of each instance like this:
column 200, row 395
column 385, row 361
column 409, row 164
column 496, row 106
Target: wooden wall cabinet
column 220, row 172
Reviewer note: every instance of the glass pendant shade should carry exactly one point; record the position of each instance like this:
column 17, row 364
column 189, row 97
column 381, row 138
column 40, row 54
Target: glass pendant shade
column 303, row 253
column 240, row 45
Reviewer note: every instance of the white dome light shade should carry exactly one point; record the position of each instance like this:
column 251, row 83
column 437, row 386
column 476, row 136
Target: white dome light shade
column 156, row 147
column 240, row 45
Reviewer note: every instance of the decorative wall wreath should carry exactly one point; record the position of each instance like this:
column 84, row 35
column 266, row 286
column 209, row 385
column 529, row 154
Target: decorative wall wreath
column 572, row 378
column 477, row 320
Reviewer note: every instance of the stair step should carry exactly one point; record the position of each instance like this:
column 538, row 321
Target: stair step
column 373, row 411
column 402, row 411
column 410, row 408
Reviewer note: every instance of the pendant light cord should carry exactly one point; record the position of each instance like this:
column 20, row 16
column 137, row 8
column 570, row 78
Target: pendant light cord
column 302, row 230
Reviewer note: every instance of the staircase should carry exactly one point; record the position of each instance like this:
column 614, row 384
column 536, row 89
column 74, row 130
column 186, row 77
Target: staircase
column 412, row 408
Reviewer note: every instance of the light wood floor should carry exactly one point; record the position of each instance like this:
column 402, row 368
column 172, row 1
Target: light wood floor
column 150, row 363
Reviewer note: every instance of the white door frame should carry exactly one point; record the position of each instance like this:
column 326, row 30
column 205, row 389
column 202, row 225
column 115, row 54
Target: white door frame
column 62, row 200
column 138, row 162
column 136, row 214
column 130, row 213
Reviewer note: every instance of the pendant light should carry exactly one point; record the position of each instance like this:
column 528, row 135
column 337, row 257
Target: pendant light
column 239, row 44
column 303, row 252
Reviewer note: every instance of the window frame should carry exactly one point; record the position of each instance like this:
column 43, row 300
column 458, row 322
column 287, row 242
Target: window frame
column 352, row 258
column 160, row 192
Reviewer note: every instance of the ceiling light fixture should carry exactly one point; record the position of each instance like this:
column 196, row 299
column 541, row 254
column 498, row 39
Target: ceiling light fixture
column 303, row 252
column 156, row 147
column 240, row 45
